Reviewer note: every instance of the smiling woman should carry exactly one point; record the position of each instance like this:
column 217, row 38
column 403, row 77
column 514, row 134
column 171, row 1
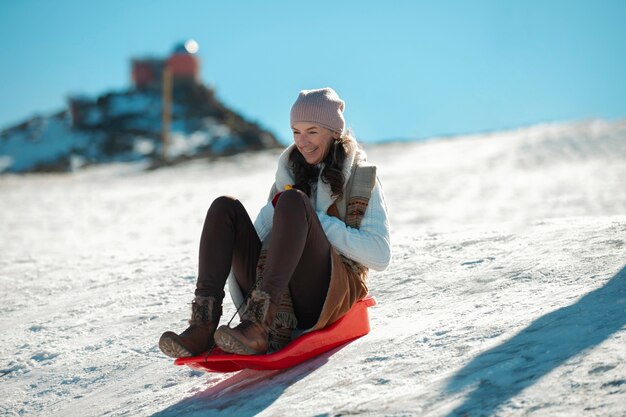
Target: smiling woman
column 317, row 124
column 313, row 141
column 304, row 262
column 317, row 121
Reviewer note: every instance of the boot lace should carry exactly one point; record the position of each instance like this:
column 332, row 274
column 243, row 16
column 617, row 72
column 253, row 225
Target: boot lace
column 200, row 313
column 258, row 305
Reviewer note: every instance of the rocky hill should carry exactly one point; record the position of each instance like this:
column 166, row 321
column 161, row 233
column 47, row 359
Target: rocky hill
column 125, row 126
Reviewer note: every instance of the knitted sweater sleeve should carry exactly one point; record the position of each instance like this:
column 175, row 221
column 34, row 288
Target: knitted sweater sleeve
column 369, row 244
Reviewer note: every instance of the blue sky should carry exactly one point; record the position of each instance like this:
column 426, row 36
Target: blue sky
column 407, row 69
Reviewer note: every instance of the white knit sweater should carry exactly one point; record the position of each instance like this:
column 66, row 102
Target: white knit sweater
column 369, row 245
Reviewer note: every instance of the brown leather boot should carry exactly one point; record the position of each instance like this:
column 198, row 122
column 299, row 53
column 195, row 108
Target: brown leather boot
column 251, row 335
column 198, row 337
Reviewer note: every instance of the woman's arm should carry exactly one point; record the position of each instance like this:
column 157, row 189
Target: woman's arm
column 369, row 244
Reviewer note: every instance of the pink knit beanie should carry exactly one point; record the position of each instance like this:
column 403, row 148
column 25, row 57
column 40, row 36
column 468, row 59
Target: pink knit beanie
column 323, row 107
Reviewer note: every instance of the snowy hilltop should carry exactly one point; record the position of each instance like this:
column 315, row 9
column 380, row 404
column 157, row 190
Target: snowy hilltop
column 506, row 295
column 127, row 125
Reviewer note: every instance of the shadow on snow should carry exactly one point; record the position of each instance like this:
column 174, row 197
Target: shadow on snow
column 245, row 393
column 499, row 374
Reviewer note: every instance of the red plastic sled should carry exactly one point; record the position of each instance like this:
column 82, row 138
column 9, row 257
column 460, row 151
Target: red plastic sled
column 354, row 324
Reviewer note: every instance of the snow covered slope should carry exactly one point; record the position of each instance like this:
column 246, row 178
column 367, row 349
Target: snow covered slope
column 506, row 296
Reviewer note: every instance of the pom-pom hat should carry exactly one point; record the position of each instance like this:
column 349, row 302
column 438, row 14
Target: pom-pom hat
column 322, row 106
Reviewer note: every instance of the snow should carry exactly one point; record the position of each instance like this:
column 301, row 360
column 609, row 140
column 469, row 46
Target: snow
column 50, row 142
column 44, row 141
column 506, row 295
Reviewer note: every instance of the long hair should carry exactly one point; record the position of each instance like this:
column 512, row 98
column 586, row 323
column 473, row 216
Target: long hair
column 331, row 174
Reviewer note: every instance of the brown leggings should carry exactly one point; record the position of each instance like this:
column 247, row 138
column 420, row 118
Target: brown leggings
column 298, row 255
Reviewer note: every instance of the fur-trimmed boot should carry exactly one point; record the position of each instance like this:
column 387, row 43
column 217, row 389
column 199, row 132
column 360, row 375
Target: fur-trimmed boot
column 250, row 337
column 198, row 337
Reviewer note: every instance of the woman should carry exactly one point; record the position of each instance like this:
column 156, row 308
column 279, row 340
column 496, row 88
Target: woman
column 305, row 259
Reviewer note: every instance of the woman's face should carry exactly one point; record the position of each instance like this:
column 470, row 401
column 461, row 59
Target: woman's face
column 313, row 141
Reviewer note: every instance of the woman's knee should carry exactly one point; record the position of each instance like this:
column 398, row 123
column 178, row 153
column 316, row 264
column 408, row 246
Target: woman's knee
column 223, row 204
column 292, row 199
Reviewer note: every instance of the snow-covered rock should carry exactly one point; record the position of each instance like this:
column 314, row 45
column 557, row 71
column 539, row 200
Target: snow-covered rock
column 126, row 126
column 506, row 295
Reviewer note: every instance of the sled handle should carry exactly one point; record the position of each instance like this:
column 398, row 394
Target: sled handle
column 369, row 300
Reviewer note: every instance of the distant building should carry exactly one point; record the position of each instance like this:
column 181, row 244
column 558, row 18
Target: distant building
column 184, row 64
column 84, row 111
column 147, row 72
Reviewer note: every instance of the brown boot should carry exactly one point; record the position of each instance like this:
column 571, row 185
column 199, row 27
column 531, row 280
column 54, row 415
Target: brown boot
column 250, row 336
column 198, row 337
